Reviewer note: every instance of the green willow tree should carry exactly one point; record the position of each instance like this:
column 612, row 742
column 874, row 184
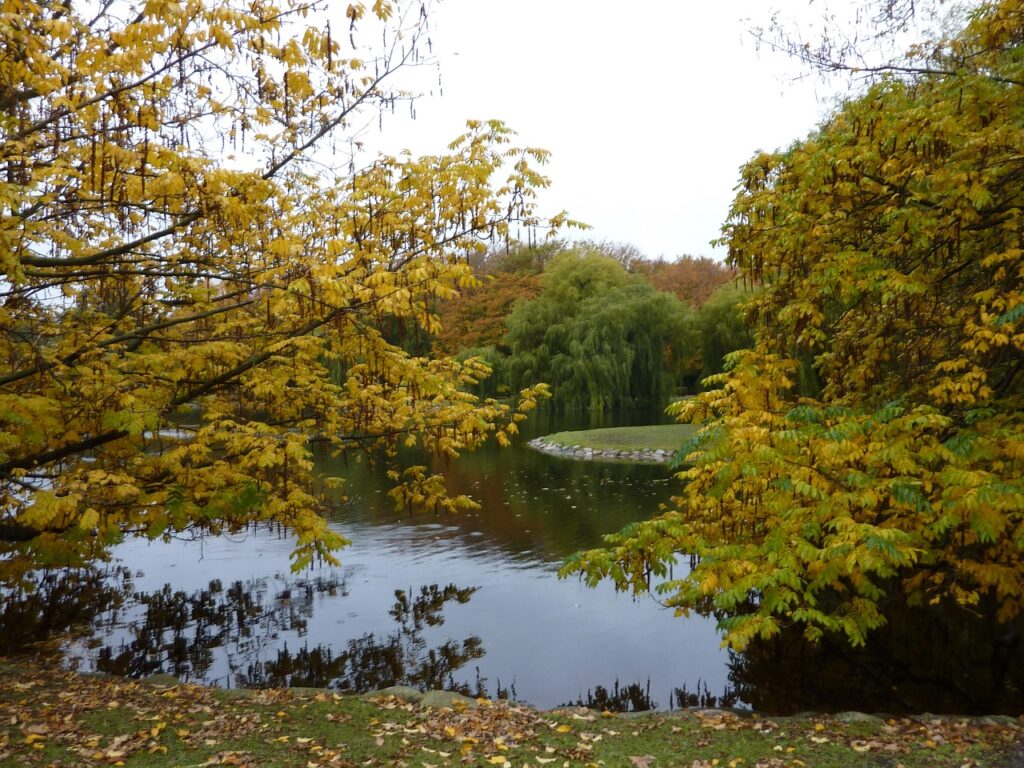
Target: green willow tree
column 603, row 338
column 146, row 270
column 889, row 245
column 719, row 328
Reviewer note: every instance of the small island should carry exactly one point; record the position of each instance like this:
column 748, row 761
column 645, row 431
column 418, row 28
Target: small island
column 655, row 443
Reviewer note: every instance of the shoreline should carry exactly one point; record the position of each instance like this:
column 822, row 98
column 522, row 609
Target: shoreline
column 57, row 717
column 578, row 451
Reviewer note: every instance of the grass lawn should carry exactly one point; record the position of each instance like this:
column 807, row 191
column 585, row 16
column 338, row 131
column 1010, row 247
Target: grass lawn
column 52, row 717
column 665, row 437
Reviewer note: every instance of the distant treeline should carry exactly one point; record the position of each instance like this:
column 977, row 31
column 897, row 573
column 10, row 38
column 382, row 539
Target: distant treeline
column 602, row 325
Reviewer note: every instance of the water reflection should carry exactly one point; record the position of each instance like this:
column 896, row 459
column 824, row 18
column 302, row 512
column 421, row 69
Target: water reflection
column 552, row 640
column 369, row 663
column 630, row 698
column 535, row 507
column 262, row 632
column 636, row 697
column 178, row 632
column 222, row 633
column 926, row 659
column 57, row 601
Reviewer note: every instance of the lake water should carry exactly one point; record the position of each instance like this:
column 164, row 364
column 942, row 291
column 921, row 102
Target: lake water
column 468, row 601
column 472, row 602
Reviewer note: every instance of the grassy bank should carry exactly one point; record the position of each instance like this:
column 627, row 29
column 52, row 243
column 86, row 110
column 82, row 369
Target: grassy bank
column 50, row 717
column 663, row 437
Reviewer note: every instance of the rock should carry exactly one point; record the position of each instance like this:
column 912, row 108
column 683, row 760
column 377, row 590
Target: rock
column 161, row 681
column 796, row 717
column 858, row 717
column 637, row 715
column 1002, row 721
column 403, row 692
column 449, row 699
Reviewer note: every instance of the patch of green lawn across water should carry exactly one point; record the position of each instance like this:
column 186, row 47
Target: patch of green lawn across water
column 665, row 437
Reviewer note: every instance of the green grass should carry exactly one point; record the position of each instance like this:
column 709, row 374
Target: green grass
column 665, row 437
column 49, row 717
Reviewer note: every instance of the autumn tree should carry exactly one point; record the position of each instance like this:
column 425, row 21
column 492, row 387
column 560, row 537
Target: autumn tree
column 178, row 231
column 692, row 278
column 476, row 317
column 889, row 245
column 601, row 337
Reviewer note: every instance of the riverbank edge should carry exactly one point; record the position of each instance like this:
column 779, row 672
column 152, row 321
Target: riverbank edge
column 577, row 451
column 53, row 716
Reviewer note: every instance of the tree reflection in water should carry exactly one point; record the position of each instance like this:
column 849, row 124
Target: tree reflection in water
column 637, row 698
column 245, row 633
column 179, row 633
column 631, row 698
column 367, row 663
column 190, row 635
column 926, row 659
column 54, row 602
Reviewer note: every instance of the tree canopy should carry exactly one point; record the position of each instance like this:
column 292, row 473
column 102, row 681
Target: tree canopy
column 147, row 269
column 601, row 337
column 692, row 279
column 889, row 245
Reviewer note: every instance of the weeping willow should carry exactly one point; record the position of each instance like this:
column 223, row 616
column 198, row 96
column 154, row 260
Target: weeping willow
column 600, row 337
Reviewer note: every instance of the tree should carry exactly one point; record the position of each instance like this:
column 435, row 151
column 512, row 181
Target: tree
column 602, row 337
column 146, row 271
column 720, row 328
column 692, row 279
column 476, row 317
column 889, row 245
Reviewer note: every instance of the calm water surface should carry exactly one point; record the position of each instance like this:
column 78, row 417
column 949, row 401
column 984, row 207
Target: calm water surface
column 468, row 601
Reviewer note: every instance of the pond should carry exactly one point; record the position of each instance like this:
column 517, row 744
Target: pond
column 468, row 601
column 471, row 602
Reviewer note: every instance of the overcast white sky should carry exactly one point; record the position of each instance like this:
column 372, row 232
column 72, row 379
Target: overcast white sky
column 648, row 107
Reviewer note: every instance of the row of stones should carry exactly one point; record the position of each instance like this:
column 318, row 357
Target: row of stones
column 579, row 452
column 452, row 700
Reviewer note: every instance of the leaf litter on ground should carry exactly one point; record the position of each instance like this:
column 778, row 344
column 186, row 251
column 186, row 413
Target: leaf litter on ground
column 54, row 717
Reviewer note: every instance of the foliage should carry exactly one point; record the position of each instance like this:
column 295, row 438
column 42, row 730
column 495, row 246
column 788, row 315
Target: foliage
column 146, row 270
column 602, row 337
column 718, row 329
column 476, row 317
column 518, row 258
column 889, row 244
column 692, row 279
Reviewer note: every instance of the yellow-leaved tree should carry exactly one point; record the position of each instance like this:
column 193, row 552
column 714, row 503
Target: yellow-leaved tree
column 175, row 234
column 868, row 453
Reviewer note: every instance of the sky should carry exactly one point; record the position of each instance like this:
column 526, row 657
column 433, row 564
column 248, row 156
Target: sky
column 648, row 107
